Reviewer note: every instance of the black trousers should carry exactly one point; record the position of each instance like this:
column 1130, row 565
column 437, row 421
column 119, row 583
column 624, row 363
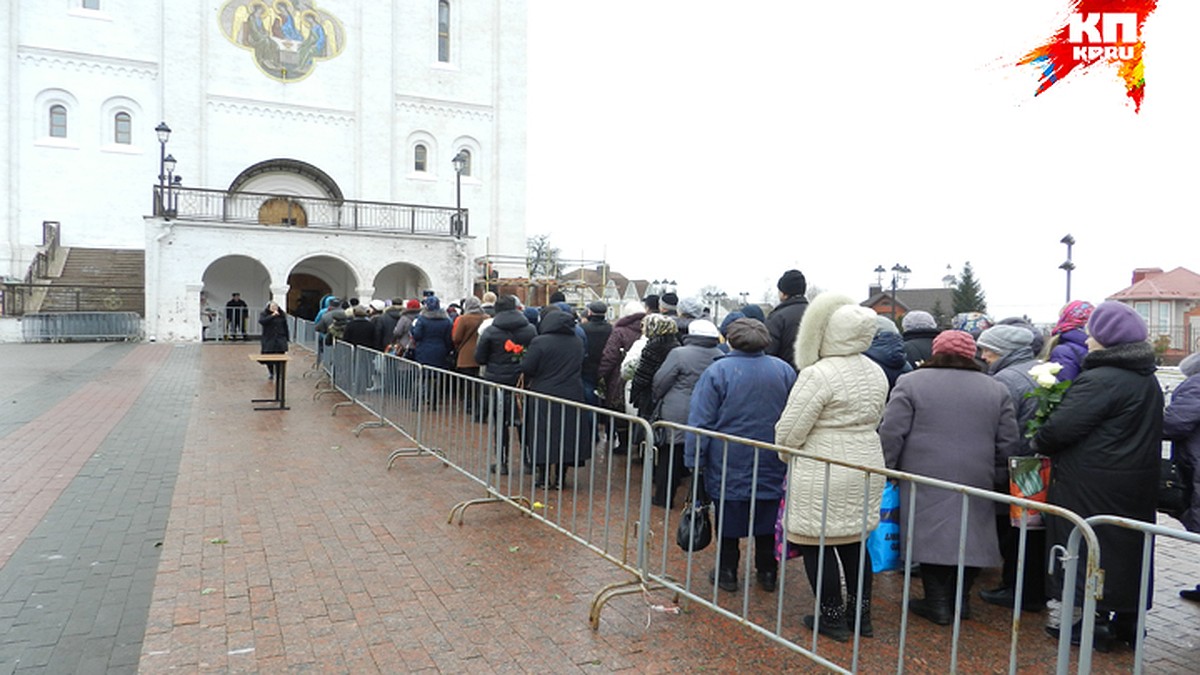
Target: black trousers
column 1034, row 591
column 764, row 553
column 831, row 575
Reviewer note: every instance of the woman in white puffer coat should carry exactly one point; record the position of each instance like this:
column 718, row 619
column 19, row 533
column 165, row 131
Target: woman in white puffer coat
column 833, row 412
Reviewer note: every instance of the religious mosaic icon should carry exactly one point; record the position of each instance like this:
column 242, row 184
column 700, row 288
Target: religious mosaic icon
column 286, row 37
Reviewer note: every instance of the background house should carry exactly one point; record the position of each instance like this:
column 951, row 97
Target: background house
column 937, row 301
column 1169, row 302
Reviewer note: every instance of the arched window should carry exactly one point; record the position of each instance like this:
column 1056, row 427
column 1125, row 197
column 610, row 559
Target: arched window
column 123, row 128
column 58, row 121
column 420, row 158
column 444, row 31
column 466, row 165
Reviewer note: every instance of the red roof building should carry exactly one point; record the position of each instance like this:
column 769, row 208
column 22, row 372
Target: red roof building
column 1169, row 302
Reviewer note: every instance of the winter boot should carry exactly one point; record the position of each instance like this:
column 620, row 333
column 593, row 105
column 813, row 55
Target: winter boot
column 938, row 603
column 833, row 621
column 865, row 629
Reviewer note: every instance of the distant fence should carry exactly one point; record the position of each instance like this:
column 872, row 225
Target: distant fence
column 81, row 326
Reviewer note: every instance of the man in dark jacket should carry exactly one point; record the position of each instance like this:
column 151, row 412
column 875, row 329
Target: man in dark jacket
column 784, row 321
column 360, row 332
column 503, row 367
column 597, row 328
column 385, row 323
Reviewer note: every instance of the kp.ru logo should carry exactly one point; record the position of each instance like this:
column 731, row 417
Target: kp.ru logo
column 1097, row 32
column 1116, row 43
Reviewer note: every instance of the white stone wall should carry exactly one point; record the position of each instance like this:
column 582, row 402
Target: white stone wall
column 356, row 116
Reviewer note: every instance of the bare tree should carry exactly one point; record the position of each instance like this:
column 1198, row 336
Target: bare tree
column 541, row 258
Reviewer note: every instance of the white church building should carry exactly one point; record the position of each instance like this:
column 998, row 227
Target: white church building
column 280, row 149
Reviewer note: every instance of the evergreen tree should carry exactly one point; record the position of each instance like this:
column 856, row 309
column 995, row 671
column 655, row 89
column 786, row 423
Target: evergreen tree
column 939, row 314
column 968, row 294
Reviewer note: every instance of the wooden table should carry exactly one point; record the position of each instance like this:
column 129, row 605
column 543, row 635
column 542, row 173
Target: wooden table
column 280, row 381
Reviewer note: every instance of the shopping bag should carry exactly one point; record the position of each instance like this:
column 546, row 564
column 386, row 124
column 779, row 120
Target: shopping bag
column 1028, row 477
column 883, row 544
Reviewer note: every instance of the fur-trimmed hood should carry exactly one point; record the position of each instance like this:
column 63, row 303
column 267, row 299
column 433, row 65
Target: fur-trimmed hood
column 833, row 325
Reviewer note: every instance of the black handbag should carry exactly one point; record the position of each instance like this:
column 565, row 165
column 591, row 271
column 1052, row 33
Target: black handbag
column 1172, row 490
column 695, row 525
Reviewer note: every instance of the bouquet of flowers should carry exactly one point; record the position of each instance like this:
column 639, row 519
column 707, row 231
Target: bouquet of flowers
column 1049, row 393
column 517, row 350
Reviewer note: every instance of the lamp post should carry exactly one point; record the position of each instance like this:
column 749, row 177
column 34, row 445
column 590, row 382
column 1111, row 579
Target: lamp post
column 1068, row 265
column 715, row 298
column 743, row 295
column 460, row 165
column 168, row 164
column 164, row 134
column 899, row 278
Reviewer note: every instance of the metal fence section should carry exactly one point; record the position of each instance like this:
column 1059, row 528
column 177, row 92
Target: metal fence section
column 687, row 573
column 559, row 462
column 68, row 326
column 1087, row 605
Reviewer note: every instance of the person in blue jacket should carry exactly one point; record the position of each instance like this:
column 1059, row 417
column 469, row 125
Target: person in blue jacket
column 741, row 394
column 432, row 334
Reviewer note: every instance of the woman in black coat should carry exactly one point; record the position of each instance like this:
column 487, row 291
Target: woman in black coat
column 1104, row 441
column 557, row 435
column 274, row 334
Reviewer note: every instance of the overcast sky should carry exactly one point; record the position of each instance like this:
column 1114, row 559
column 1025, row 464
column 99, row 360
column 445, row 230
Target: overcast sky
column 718, row 143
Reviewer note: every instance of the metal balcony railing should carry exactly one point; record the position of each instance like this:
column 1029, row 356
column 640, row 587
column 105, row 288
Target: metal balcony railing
column 201, row 204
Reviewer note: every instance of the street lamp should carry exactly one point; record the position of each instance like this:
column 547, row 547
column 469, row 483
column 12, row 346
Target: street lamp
column 715, row 299
column 460, row 165
column 164, row 134
column 899, row 278
column 168, row 165
column 1068, row 265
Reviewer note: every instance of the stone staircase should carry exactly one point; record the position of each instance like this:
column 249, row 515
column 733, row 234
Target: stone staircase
column 98, row 280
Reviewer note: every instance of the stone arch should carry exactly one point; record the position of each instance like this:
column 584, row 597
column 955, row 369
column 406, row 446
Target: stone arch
column 289, row 176
column 401, row 280
column 318, row 275
column 231, row 274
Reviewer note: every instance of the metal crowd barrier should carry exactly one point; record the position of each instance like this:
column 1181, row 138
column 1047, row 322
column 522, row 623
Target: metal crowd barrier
column 67, row 326
column 516, row 444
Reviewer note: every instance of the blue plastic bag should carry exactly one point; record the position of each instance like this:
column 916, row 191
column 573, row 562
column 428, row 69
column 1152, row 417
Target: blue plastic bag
column 884, row 543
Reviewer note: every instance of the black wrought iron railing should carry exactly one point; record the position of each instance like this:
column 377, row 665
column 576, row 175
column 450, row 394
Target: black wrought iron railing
column 202, row 204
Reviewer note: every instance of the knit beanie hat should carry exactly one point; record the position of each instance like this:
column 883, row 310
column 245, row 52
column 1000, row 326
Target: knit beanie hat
column 412, row 304
column 651, row 303
column 753, row 312
column 1191, row 365
column 632, row 307
column 668, row 300
column 1115, row 323
column 706, row 328
column 792, row 283
column 748, row 335
column 729, row 318
column 885, row 325
column 691, row 307
column 432, row 303
column 918, row 320
column 1074, row 315
column 1005, row 340
column 956, row 342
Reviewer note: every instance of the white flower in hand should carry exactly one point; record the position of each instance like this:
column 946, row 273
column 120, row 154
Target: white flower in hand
column 1044, row 374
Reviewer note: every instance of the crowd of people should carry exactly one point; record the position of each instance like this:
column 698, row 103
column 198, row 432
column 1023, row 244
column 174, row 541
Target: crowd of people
column 836, row 381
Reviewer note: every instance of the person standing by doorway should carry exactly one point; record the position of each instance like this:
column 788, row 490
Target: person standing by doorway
column 235, row 317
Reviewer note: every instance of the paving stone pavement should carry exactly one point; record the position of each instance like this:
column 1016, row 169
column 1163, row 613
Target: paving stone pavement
column 287, row 547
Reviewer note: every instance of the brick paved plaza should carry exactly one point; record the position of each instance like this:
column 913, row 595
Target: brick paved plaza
column 151, row 520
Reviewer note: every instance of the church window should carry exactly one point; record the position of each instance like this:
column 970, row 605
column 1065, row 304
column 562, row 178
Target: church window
column 123, row 128
column 444, row 31
column 420, row 158
column 58, row 121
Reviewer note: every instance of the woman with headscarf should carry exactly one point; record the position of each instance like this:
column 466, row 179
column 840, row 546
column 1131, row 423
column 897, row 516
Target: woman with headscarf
column 741, row 394
column 832, row 412
column 626, row 331
column 558, row 435
column 673, row 384
column 1067, row 345
column 661, row 334
column 1104, row 441
column 950, row 421
column 1181, row 424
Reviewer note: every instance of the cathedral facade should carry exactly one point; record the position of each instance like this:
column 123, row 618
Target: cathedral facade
column 279, row 149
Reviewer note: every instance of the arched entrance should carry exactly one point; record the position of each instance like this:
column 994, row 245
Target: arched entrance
column 304, row 294
column 282, row 211
column 228, row 275
column 400, row 280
